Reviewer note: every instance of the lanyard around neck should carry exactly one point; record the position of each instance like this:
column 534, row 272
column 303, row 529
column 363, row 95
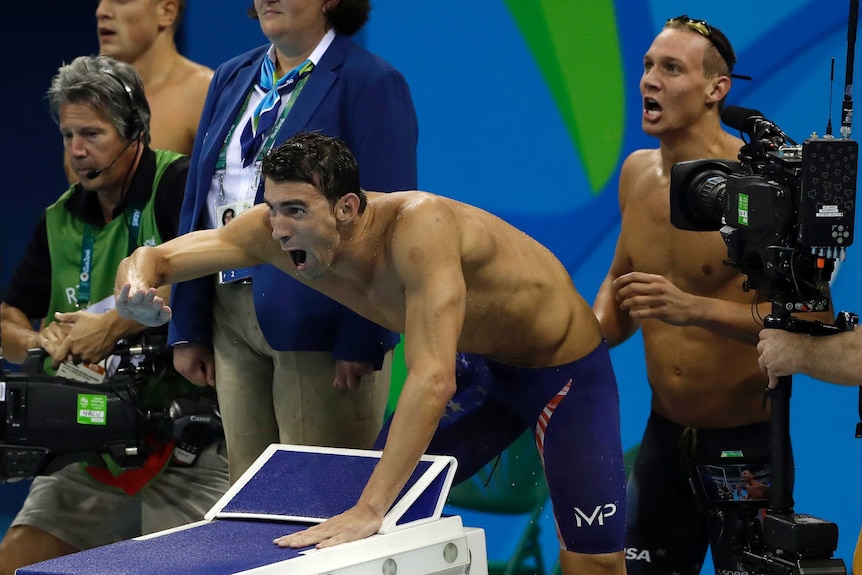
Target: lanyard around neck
column 132, row 215
column 221, row 161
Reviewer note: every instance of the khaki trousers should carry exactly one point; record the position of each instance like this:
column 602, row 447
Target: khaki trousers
column 267, row 396
column 84, row 513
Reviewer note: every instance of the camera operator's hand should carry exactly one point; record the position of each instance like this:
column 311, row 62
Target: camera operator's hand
column 196, row 363
column 51, row 338
column 349, row 374
column 90, row 336
column 780, row 351
column 835, row 358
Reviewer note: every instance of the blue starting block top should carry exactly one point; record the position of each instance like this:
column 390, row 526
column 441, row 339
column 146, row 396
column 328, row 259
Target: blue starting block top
column 204, row 548
column 287, row 489
column 312, row 484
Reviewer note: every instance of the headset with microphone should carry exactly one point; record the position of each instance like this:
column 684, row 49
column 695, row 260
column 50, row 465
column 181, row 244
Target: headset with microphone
column 135, row 121
column 93, row 174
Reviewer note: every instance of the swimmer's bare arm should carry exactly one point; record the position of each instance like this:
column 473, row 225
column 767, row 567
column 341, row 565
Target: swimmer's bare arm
column 653, row 296
column 426, row 258
column 177, row 107
column 197, row 84
column 246, row 242
column 617, row 326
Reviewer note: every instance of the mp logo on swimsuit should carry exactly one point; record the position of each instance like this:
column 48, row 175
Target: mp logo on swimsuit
column 598, row 515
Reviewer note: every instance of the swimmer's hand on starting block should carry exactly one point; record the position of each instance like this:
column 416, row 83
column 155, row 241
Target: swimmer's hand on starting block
column 355, row 523
column 143, row 306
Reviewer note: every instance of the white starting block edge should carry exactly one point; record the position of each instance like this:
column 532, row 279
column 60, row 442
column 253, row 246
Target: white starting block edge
column 435, row 475
column 421, row 549
column 443, row 547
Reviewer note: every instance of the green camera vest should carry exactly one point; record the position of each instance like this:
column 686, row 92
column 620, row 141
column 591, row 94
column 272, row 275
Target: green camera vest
column 111, row 244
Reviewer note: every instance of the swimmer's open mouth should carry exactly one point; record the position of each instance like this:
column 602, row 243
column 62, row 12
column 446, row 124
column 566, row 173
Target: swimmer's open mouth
column 298, row 257
column 651, row 105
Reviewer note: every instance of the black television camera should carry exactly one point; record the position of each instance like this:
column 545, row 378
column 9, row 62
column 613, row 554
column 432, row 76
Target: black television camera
column 785, row 210
column 48, row 422
column 787, row 213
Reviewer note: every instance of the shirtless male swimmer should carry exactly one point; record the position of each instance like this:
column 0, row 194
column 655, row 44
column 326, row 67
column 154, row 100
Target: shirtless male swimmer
column 484, row 308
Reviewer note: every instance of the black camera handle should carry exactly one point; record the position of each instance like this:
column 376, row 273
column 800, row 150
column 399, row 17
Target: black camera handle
column 780, row 496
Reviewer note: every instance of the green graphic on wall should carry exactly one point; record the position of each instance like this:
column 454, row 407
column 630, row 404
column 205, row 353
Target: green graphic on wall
column 577, row 49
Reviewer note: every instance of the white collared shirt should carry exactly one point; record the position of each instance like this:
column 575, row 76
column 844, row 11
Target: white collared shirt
column 236, row 183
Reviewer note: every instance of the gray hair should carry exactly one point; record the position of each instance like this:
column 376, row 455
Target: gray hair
column 111, row 87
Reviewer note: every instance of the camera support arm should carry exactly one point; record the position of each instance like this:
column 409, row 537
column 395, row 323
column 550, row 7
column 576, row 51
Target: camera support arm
column 780, row 498
column 792, row 543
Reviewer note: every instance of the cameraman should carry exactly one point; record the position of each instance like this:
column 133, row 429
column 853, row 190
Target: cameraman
column 836, row 358
column 128, row 195
column 698, row 324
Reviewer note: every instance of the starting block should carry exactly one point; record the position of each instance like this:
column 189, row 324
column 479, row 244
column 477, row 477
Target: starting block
column 288, row 489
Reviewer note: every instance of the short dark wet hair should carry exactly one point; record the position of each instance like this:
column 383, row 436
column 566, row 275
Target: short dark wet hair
column 322, row 161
